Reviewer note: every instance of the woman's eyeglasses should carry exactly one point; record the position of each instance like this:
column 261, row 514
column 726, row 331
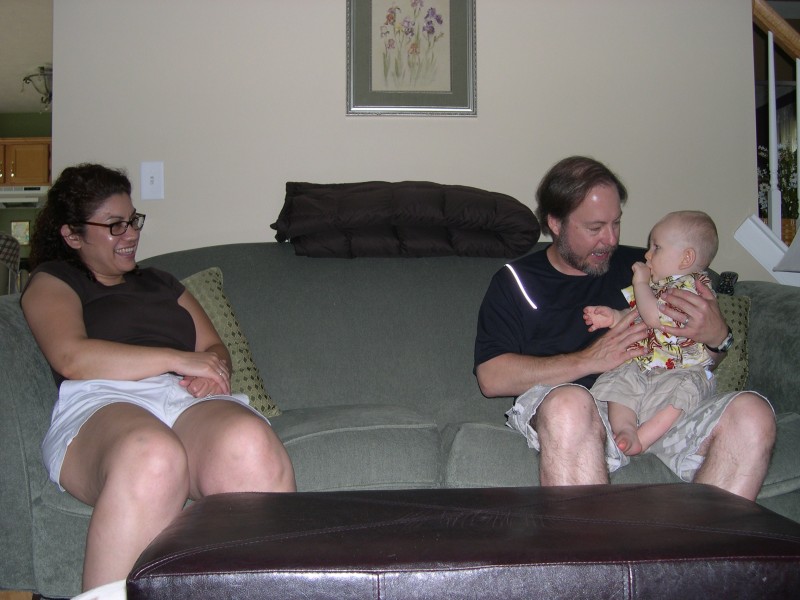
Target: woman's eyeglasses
column 120, row 227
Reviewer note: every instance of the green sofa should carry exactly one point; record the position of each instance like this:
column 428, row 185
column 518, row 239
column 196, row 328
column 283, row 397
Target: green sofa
column 370, row 362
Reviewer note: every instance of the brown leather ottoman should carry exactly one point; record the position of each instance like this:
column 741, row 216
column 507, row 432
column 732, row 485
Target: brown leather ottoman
column 616, row 541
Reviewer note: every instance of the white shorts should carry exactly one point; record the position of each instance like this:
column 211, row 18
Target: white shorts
column 78, row 400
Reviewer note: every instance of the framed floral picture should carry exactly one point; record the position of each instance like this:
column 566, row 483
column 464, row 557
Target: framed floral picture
column 411, row 57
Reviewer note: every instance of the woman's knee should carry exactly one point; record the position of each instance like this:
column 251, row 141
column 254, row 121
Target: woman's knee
column 150, row 462
column 248, row 456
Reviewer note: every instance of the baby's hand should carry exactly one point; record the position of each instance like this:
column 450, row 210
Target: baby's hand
column 598, row 317
column 641, row 273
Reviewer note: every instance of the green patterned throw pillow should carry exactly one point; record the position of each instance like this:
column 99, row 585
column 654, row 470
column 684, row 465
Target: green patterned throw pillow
column 731, row 375
column 206, row 286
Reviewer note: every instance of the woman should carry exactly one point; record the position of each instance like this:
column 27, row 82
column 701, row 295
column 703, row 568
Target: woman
column 144, row 418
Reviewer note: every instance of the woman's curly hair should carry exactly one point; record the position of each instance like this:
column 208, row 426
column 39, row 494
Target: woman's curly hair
column 72, row 200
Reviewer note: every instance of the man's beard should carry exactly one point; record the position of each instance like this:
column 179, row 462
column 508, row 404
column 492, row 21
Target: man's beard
column 579, row 262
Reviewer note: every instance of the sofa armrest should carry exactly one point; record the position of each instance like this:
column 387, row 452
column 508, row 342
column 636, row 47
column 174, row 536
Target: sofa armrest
column 773, row 342
column 27, row 394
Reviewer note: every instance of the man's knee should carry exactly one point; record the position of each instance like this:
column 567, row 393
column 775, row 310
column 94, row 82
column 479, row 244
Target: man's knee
column 571, row 410
column 749, row 417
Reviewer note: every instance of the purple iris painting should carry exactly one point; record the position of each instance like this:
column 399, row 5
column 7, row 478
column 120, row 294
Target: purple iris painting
column 411, row 51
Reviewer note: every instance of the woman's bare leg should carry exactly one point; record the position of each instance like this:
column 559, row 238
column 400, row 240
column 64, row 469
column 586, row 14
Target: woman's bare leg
column 133, row 470
column 231, row 449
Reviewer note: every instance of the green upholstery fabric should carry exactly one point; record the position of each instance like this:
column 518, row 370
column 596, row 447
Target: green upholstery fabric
column 206, row 287
column 370, row 361
column 784, row 469
column 773, row 342
column 360, row 447
column 731, row 375
column 487, row 454
column 482, row 454
column 18, row 423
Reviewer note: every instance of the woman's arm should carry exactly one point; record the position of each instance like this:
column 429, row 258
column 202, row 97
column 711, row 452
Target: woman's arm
column 55, row 315
column 208, row 340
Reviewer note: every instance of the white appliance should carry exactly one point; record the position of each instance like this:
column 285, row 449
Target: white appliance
column 26, row 195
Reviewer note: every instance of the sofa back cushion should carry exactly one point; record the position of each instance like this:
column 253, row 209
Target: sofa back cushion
column 329, row 332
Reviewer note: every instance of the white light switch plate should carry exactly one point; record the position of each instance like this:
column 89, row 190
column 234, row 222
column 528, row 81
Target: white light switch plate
column 152, row 180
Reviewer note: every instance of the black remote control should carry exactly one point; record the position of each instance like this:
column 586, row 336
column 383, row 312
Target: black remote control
column 727, row 280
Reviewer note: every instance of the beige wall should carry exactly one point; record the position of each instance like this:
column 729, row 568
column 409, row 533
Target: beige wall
column 239, row 97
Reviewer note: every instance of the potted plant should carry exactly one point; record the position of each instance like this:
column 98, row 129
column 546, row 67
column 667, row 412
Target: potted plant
column 787, row 184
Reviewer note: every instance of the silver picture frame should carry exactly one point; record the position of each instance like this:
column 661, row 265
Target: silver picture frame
column 411, row 58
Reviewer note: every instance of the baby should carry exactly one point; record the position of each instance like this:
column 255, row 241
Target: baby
column 647, row 395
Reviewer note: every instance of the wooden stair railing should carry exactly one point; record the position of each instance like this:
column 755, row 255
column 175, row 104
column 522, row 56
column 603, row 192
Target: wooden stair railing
column 767, row 19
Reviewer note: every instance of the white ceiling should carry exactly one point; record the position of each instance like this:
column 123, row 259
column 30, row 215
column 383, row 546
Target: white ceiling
column 26, row 42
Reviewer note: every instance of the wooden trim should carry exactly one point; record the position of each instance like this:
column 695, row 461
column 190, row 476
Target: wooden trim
column 766, row 18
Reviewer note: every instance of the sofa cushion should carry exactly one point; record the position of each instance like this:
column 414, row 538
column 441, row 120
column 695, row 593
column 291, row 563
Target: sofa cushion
column 206, row 287
column 360, row 447
column 731, row 374
column 783, row 475
column 491, row 455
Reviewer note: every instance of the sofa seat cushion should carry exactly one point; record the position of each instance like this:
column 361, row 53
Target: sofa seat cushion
column 360, row 447
column 493, row 455
column 784, row 468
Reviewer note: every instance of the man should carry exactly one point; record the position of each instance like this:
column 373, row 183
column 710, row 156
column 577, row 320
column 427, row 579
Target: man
column 532, row 343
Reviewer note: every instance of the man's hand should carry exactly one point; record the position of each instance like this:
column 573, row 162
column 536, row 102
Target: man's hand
column 617, row 345
column 698, row 316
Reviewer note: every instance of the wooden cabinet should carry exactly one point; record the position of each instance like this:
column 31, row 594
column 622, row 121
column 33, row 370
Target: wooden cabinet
column 24, row 161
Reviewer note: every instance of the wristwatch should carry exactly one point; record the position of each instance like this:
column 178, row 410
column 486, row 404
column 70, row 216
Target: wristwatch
column 725, row 345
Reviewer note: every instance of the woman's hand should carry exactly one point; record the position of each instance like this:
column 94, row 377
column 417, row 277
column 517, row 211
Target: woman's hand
column 698, row 316
column 204, row 373
column 200, row 387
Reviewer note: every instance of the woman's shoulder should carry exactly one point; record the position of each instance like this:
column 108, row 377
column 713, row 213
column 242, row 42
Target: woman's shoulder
column 160, row 277
column 62, row 270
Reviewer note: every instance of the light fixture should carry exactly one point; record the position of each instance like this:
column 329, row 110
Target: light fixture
column 42, row 82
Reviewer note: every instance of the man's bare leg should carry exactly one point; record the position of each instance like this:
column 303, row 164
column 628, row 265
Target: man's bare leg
column 572, row 438
column 738, row 450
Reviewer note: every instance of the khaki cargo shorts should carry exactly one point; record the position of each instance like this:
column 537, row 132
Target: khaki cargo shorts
column 678, row 448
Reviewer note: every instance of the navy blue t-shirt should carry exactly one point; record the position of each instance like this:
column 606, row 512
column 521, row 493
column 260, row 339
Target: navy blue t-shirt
column 509, row 323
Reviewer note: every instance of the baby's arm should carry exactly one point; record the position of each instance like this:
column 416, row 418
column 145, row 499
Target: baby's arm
column 599, row 317
column 646, row 302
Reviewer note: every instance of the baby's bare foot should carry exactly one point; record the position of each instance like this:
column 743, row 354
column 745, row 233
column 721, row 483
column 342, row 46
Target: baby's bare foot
column 628, row 441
